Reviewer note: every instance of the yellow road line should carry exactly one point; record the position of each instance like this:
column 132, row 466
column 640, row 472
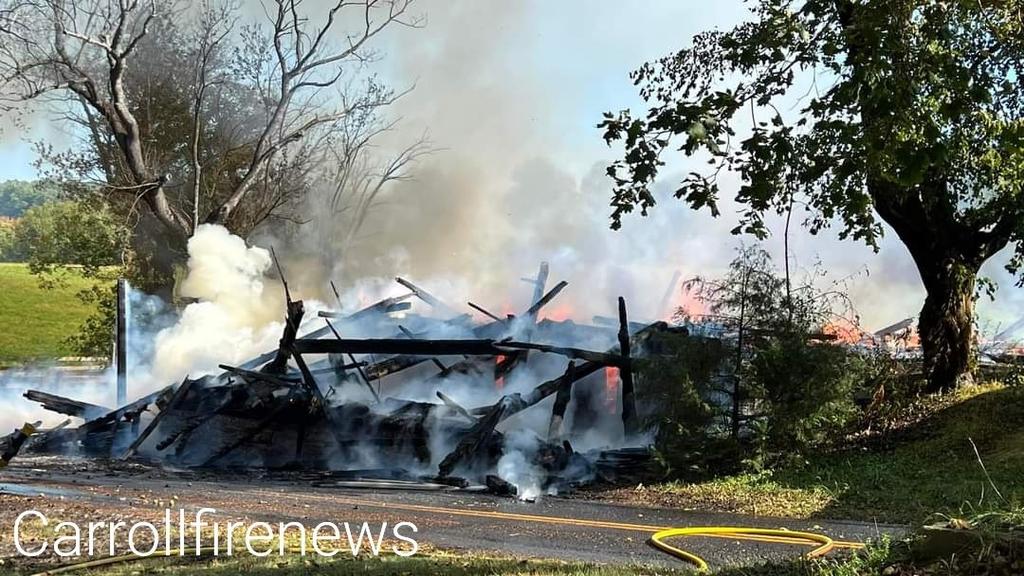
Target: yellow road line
column 554, row 520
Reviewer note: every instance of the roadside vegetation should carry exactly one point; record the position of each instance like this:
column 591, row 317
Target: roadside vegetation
column 434, row 563
column 774, row 418
column 990, row 544
column 923, row 466
column 60, row 259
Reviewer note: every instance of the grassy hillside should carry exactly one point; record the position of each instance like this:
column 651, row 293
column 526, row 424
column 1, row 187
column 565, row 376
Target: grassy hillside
column 929, row 467
column 34, row 322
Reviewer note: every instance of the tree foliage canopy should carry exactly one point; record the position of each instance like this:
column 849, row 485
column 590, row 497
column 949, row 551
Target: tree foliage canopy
column 908, row 110
column 904, row 105
column 17, row 196
column 71, row 233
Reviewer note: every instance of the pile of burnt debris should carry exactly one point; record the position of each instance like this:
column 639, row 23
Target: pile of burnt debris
column 284, row 409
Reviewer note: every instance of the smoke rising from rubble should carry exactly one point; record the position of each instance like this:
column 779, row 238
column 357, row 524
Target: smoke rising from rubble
column 236, row 314
column 504, row 94
column 499, row 195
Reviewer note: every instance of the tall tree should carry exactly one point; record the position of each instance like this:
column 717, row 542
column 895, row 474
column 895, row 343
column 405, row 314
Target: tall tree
column 173, row 110
column 907, row 110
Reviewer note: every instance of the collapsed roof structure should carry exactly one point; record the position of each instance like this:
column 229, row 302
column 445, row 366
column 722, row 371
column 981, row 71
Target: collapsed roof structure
column 379, row 390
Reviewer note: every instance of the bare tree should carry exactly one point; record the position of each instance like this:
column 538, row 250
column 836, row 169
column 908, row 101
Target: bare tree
column 355, row 175
column 216, row 23
column 82, row 50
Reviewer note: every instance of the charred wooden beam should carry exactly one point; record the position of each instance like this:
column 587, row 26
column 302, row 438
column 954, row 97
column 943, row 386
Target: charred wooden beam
column 56, row 428
column 533, row 310
column 610, row 322
column 453, row 347
column 562, row 398
column 129, row 411
column 629, row 423
column 518, row 402
column 605, row 358
column 279, row 365
column 385, row 306
column 363, row 376
column 474, row 440
column 335, row 369
column 541, row 282
column 542, row 391
column 66, row 406
column 484, row 311
column 252, row 376
column 476, row 347
column 247, row 435
column 179, row 393
column 427, row 297
column 471, row 365
column 455, row 406
column 393, row 365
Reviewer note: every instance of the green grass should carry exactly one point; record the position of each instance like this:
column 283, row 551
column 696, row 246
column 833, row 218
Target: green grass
column 991, row 544
column 36, row 321
column 931, row 469
column 439, row 564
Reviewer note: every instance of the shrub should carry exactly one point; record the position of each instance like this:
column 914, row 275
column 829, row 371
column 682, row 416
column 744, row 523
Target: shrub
column 771, row 389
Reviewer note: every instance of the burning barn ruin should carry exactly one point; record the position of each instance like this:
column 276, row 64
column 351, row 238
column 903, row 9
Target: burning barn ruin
column 517, row 403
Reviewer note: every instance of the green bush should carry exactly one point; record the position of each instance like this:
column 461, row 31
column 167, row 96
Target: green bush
column 70, row 233
column 674, row 387
column 769, row 388
column 805, row 393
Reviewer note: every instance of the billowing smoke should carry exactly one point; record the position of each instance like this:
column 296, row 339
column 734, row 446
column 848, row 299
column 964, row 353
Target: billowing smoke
column 81, row 384
column 510, row 97
column 236, row 314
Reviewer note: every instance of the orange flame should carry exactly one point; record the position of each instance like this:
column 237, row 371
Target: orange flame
column 499, row 382
column 611, row 388
column 844, row 331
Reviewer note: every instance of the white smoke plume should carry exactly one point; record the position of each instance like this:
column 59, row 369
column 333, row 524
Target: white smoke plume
column 236, row 315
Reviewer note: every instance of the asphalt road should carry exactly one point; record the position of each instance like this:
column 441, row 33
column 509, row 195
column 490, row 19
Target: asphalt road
column 553, row 527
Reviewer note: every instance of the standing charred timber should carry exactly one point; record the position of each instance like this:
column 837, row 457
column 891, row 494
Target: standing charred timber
column 540, row 283
column 508, row 362
column 121, row 342
column 295, row 311
column 629, row 424
column 562, row 398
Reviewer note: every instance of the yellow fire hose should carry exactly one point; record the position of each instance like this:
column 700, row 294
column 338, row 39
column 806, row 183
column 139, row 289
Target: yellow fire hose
column 824, row 543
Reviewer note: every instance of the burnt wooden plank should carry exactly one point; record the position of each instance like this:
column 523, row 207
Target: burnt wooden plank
column 180, row 393
column 453, row 347
column 533, row 310
column 66, row 406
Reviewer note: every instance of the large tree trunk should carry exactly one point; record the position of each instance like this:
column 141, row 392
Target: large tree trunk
column 946, row 324
column 948, row 256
